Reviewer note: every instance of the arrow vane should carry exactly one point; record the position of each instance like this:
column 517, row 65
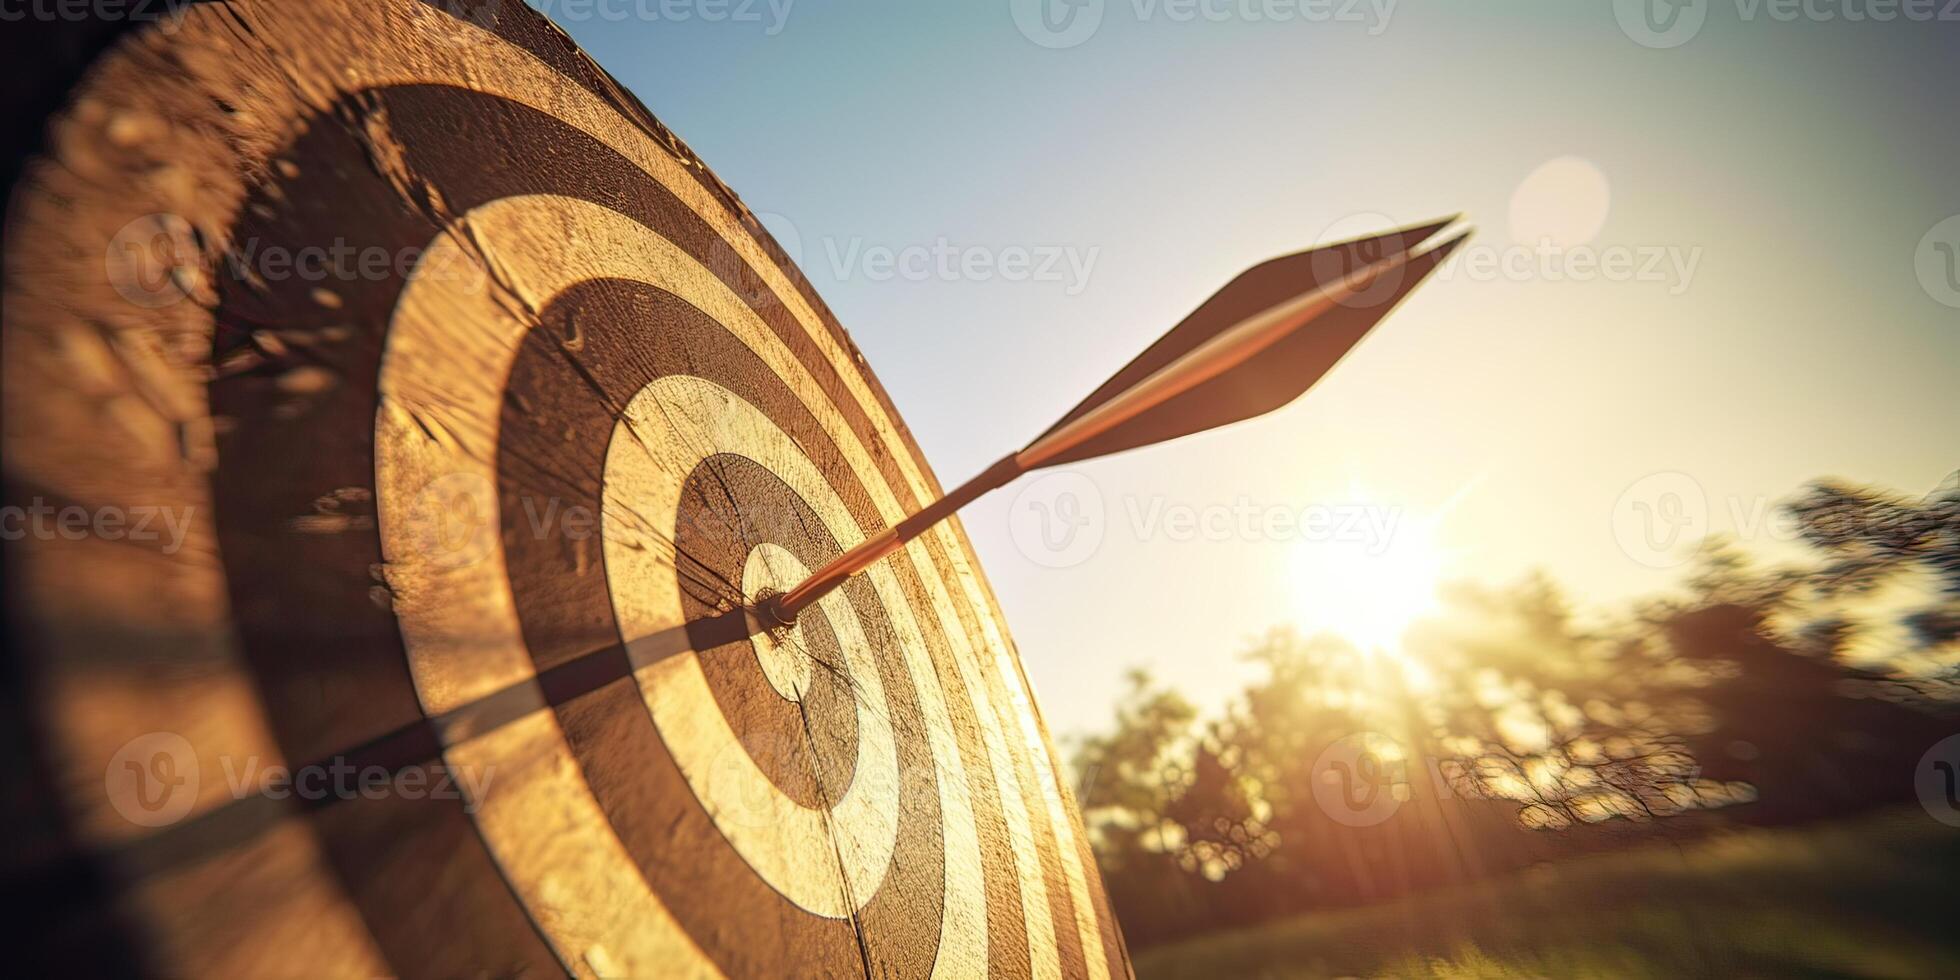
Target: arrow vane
column 1255, row 345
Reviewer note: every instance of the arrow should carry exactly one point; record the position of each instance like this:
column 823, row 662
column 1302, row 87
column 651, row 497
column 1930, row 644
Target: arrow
column 1242, row 353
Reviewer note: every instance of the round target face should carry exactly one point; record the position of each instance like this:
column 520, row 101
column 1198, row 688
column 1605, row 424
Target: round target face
column 451, row 414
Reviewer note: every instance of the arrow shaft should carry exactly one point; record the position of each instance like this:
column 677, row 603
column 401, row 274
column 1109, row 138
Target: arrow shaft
column 835, row 572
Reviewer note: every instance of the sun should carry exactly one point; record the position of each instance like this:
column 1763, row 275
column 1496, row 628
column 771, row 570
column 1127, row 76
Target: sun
column 1371, row 585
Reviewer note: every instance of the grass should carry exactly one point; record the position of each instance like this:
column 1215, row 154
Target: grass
column 1876, row 897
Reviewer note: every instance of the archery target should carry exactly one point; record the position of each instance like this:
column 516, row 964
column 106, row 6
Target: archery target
column 489, row 410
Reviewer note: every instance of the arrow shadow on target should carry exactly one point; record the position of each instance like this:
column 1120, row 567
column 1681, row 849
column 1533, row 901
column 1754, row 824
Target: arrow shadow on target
column 419, row 742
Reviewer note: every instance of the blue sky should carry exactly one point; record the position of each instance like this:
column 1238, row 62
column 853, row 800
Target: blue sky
column 1711, row 271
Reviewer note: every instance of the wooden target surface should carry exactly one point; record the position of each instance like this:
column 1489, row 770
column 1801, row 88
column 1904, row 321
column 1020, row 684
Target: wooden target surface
column 483, row 408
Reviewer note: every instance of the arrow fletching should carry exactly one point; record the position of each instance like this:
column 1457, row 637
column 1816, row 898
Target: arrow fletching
column 1316, row 306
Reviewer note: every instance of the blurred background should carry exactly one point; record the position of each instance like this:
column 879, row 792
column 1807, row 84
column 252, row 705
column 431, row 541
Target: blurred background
column 1597, row 616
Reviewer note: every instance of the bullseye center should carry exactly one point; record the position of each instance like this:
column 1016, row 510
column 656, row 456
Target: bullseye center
column 781, row 653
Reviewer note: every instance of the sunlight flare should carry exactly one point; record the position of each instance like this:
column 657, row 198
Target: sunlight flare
column 1369, row 588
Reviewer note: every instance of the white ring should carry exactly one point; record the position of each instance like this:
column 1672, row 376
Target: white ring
column 668, row 429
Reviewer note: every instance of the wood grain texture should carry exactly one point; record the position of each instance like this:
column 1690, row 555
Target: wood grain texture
column 470, row 410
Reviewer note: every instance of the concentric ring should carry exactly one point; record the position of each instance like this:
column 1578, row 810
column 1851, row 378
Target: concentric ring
column 505, row 504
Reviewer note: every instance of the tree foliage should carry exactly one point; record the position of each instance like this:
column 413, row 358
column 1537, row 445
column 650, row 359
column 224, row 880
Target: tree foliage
column 1506, row 732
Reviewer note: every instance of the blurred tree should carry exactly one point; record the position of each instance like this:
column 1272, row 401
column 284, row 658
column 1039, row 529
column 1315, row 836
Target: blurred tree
column 1886, row 595
column 1343, row 776
column 1128, row 780
column 1866, row 534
